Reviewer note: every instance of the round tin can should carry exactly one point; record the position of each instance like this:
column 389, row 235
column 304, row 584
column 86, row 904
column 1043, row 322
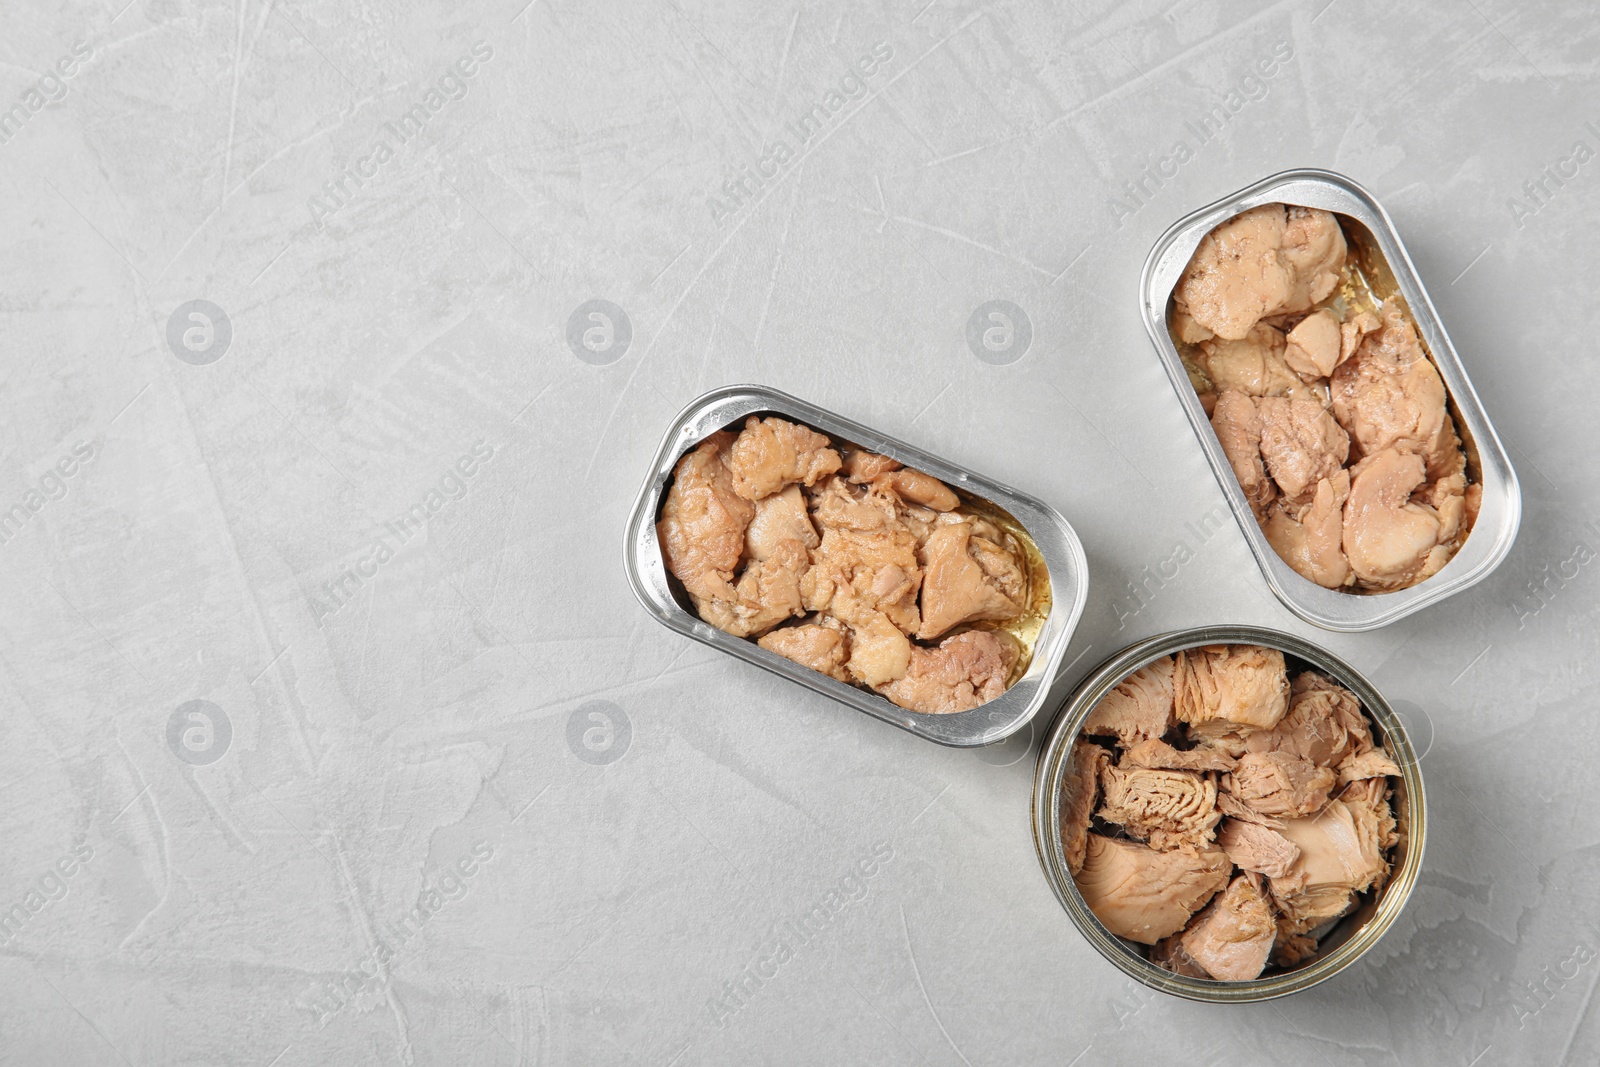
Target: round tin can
column 1353, row 935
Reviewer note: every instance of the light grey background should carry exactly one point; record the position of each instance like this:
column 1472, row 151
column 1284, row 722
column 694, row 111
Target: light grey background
column 375, row 742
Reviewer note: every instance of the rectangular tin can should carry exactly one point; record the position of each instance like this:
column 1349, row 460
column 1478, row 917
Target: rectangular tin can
column 1496, row 527
column 1057, row 543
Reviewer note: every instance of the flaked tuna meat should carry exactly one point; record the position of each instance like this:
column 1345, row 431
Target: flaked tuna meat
column 1188, row 331
column 1237, row 425
column 768, row 593
column 1312, row 348
column 1169, row 955
column 1080, row 788
column 1139, row 707
column 1243, row 684
column 1314, row 249
column 778, row 543
column 880, row 651
column 1278, row 783
column 997, row 552
column 1444, row 456
column 1370, row 809
column 1373, row 794
column 1310, row 537
column 1447, row 499
column 966, row 670
column 969, row 577
column 1157, row 754
column 1145, row 895
column 1301, row 445
column 1254, row 365
column 771, row 453
column 1258, row 848
column 1306, row 910
column 1270, row 260
column 1388, row 395
column 1341, row 854
column 1343, row 707
column 1221, row 736
column 840, row 503
column 1233, row 936
column 1388, row 539
column 705, row 535
column 822, row 647
column 703, row 522
column 1374, row 764
column 1354, row 330
column 866, row 547
column 1236, row 276
column 1310, row 681
column 1324, row 724
column 861, row 466
column 780, row 517
column 1169, row 809
column 919, row 488
column 1234, row 808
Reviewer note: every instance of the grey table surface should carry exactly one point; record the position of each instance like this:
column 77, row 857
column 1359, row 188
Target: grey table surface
column 451, row 797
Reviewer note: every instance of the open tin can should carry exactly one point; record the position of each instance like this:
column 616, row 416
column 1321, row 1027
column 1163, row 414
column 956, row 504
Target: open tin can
column 1060, row 565
column 1372, row 237
column 1353, row 934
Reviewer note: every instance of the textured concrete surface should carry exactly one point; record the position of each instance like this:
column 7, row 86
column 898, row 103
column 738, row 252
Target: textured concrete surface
column 449, row 796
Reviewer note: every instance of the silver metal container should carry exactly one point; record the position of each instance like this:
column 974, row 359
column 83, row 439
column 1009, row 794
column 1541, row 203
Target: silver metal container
column 1057, row 543
column 1354, row 934
column 1487, row 463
